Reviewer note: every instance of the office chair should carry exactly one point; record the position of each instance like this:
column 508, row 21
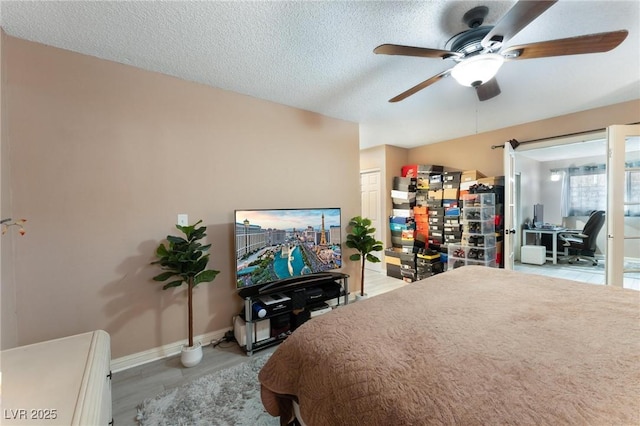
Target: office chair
column 581, row 245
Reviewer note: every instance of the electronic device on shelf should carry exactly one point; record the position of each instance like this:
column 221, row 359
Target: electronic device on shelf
column 275, row 303
column 282, row 308
column 319, row 310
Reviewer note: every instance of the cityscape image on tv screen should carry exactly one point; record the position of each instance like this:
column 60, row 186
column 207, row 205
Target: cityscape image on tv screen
column 272, row 245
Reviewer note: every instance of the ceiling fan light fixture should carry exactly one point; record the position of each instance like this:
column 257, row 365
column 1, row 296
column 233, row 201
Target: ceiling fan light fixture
column 478, row 69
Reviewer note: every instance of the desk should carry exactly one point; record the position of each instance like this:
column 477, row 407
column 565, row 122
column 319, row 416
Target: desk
column 554, row 237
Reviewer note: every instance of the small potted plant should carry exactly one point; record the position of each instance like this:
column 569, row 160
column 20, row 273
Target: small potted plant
column 360, row 238
column 184, row 259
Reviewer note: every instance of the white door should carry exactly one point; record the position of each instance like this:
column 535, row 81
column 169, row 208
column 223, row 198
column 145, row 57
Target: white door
column 509, row 205
column 371, row 188
column 623, row 198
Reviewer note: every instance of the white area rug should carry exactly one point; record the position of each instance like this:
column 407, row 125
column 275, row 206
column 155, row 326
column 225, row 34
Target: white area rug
column 227, row 397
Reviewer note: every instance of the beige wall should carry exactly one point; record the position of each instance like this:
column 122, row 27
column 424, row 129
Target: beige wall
column 8, row 323
column 104, row 156
column 474, row 152
column 389, row 160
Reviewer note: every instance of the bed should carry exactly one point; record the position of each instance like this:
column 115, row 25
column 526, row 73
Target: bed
column 470, row 346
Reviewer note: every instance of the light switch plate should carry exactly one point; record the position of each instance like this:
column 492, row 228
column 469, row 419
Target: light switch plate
column 183, row 219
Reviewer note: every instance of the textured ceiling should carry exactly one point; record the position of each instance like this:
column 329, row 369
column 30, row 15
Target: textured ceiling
column 318, row 56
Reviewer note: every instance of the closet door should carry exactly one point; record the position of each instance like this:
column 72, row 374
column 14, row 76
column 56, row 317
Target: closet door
column 623, row 203
column 371, row 206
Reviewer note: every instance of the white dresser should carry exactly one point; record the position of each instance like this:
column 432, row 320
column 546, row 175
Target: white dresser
column 64, row 381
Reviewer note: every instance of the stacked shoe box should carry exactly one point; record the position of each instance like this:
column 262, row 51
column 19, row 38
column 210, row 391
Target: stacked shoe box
column 435, row 193
column 401, row 223
column 402, row 233
column 408, row 267
column 478, row 245
column 412, row 267
column 436, row 226
column 494, row 185
column 451, row 188
column 393, row 262
column 421, row 218
column 428, row 263
column 422, row 173
column 403, row 196
column 406, row 237
column 468, row 179
column 452, row 226
column 435, row 211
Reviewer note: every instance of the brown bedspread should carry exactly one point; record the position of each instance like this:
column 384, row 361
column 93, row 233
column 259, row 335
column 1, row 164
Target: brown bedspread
column 471, row 346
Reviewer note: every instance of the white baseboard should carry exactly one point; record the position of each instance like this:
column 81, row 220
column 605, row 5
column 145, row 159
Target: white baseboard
column 154, row 354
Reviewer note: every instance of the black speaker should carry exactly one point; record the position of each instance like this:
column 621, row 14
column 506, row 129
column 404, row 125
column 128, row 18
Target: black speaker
column 298, row 298
column 331, row 290
column 299, row 317
column 280, row 324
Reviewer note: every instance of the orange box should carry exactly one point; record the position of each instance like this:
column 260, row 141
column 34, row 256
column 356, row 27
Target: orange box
column 418, row 210
column 422, row 218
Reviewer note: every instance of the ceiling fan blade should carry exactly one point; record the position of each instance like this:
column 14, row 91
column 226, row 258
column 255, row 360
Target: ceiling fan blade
column 420, row 86
column 590, row 43
column 519, row 16
column 488, row 90
column 423, row 52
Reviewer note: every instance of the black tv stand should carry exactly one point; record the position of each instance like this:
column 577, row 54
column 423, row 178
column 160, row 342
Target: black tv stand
column 287, row 287
column 299, row 282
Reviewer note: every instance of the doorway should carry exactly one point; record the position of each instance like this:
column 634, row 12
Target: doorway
column 559, row 182
column 371, row 207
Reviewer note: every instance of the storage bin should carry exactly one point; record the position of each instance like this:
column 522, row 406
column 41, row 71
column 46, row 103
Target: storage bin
column 477, row 200
column 535, row 255
column 479, row 226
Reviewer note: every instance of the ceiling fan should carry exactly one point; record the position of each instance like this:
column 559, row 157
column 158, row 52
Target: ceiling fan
column 479, row 54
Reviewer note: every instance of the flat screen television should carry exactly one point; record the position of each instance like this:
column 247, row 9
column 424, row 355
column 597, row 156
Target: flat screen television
column 280, row 244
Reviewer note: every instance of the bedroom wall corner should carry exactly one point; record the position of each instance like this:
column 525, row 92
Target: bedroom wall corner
column 389, row 160
column 8, row 318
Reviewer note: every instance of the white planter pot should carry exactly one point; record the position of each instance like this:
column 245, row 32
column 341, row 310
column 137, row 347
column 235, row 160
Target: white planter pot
column 191, row 355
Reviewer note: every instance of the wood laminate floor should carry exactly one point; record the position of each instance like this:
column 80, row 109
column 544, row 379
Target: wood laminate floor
column 132, row 386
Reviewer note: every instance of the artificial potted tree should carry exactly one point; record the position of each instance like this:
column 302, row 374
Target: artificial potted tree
column 185, row 260
column 360, row 238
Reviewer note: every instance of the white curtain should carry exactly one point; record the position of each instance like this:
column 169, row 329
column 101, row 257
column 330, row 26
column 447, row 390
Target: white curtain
column 565, row 204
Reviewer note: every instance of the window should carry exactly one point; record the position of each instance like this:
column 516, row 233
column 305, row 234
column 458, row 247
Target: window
column 587, row 190
column 632, row 190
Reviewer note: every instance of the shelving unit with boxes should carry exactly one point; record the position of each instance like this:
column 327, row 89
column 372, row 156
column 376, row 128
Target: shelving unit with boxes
column 478, row 245
column 409, row 258
column 496, row 186
column 430, row 218
column 401, row 223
